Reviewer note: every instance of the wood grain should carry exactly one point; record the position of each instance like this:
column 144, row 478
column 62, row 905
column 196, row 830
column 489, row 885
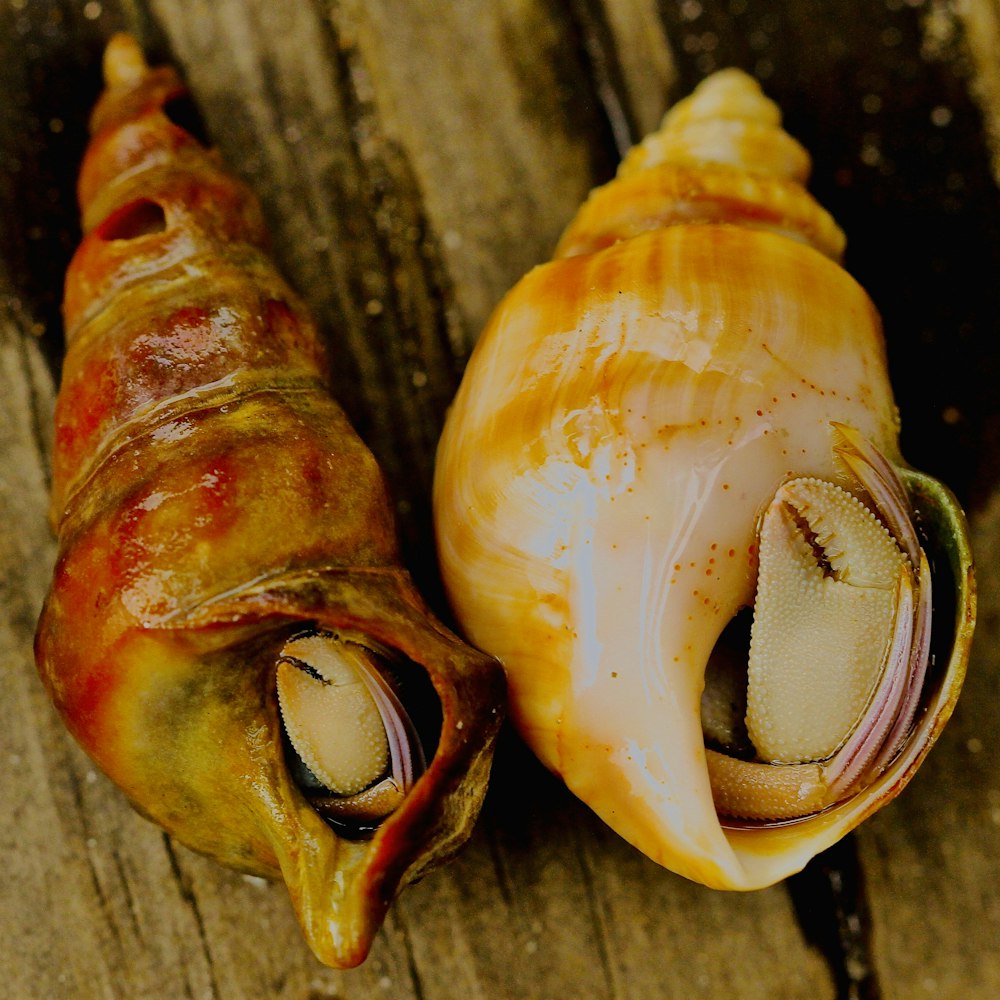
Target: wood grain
column 414, row 159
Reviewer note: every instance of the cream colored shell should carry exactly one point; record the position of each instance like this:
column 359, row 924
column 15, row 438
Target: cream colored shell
column 626, row 417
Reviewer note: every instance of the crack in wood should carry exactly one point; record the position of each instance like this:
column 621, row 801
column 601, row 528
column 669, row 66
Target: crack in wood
column 832, row 909
column 186, row 892
column 601, row 56
column 409, row 342
column 605, row 946
column 504, row 883
column 409, row 955
column 131, row 904
column 104, row 902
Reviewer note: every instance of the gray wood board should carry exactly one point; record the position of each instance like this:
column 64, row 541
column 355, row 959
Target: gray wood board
column 414, row 159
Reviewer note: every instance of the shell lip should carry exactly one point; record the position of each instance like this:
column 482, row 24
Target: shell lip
column 341, row 887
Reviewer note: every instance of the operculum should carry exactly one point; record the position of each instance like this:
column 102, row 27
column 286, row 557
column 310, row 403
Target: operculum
column 839, row 645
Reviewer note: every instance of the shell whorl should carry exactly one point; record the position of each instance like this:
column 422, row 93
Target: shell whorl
column 173, row 266
column 729, row 121
column 719, row 156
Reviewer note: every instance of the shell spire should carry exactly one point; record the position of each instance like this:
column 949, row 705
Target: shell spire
column 669, row 497
column 720, row 155
column 729, row 121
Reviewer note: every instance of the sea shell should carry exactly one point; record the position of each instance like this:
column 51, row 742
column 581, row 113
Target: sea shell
column 608, row 504
column 226, row 543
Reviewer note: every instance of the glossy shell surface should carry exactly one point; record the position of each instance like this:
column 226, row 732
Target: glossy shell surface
column 211, row 501
column 626, row 418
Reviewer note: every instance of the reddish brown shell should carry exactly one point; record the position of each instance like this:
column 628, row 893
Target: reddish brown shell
column 210, row 498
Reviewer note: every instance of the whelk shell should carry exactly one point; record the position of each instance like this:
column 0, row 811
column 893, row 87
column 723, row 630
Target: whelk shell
column 684, row 416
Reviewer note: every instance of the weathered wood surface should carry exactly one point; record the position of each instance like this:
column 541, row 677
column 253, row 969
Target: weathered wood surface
column 414, row 158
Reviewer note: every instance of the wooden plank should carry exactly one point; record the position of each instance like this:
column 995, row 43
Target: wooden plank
column 414, row 159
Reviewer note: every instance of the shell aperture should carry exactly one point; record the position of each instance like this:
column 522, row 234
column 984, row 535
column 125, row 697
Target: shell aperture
column 838, row 650
column 348, row 728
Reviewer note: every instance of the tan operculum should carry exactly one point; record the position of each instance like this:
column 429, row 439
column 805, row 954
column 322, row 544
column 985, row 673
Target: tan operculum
column 335, row 726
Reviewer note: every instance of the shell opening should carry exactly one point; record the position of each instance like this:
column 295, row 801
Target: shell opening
column 810, row 703
column 359, row 725
column 142, row 217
